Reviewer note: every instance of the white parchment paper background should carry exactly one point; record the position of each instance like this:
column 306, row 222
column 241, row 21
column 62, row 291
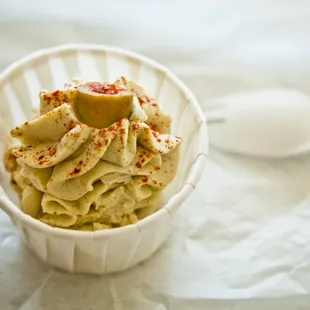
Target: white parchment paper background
column 242, row 241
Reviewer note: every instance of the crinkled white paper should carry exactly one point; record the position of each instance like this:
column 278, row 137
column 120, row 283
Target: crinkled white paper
column 242, row 240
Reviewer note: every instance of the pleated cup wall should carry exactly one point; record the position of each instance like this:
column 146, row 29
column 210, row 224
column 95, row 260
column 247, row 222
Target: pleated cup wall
column 117, row 249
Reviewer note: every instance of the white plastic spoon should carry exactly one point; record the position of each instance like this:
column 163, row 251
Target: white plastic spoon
column 266, row 123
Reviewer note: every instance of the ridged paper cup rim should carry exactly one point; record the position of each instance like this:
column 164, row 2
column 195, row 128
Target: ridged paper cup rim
column 174, row 201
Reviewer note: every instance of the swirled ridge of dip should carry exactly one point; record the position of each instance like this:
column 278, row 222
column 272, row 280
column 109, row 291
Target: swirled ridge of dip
column 72, row 175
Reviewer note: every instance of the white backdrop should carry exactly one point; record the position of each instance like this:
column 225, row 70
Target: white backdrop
column 243, row 239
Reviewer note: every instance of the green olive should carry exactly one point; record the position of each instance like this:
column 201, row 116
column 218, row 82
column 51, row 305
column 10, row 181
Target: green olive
column 100, row 104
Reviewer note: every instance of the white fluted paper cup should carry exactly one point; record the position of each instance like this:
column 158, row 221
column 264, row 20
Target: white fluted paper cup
column 115, row 249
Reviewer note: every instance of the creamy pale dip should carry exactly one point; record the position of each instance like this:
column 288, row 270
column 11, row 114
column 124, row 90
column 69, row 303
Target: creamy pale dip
column 97, row 156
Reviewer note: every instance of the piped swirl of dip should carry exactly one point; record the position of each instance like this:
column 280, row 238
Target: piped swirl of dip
column 74, row 173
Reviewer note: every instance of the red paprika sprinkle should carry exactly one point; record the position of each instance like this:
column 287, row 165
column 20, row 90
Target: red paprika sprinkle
column 107, row 89
column 75, row 171
column 52, row 151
